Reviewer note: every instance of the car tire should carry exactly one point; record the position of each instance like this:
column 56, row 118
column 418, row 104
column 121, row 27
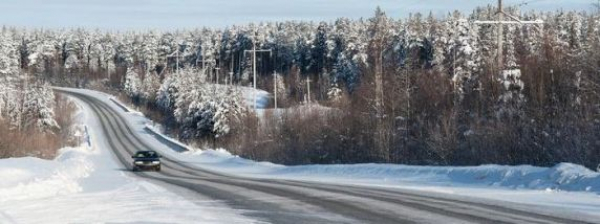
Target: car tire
column 157, row 169
column 135, row 169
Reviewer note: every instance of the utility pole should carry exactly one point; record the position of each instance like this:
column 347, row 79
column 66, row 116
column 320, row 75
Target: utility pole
column 308, row 89
column 254, row 67
column 203, row 59
column 25, row 87
column 501, row 22
column 275, row 87
column 406, row 122
column 217, row 69
column 254, row 50
column 453, row 67
column 500, row 36
column 176, row 61
column 176, row 57
column 231, row 70
column 202, row 53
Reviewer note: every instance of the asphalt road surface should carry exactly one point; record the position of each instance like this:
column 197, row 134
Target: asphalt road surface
column 281, row 201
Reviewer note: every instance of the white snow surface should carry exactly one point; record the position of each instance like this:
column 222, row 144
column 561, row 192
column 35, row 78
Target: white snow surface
column 249, row 94
column 564, row 186
column 87, row 185
column 100, row 185
column 564, row 177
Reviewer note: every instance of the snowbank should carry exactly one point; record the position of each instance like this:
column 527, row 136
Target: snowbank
column 563, row 177
column 121, row 105
column 124, row 107
column 82, row 181
column 176, row 145
column 34, row 178
column 79, row 183
column 30, row 178
column 248, row 94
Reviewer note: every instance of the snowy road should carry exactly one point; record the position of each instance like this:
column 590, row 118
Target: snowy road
column 286, row 201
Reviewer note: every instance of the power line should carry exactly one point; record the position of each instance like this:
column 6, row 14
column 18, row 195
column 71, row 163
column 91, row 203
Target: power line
column 528, row 2
column 254, row 51
column 500, row 22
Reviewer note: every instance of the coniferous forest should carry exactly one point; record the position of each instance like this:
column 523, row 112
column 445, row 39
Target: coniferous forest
column 424, row 90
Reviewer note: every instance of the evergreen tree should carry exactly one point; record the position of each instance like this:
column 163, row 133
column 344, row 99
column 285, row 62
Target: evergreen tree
column 463, row 48
column 133, row 84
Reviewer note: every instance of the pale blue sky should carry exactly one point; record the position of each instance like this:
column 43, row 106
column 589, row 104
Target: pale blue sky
column 173, row 14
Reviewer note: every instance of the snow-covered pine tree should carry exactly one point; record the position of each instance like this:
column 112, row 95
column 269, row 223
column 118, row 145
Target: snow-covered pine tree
column 35, row 51
column 9, row 71
column 346, row 72
column 146, row 51
column 125, row 50
column 167, row 93
column 532, row 37
column 577, row 52
column 107, row 52
column 245, row 43
column 512, row 98
column 379, row 36
column 227, row 109
column 319, row 48
column 150, row 86
column 280, row 88
column 167, row 45
column 334, row 94
column 9, row 56
column 82, row 41
column 38, row 109
column 133, row 84
column 438, row 31
column 463, row 47
column 72, row 61
column 357, row 43
column 189, row 88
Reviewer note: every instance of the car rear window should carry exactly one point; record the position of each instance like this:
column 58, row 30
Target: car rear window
column 146, row 155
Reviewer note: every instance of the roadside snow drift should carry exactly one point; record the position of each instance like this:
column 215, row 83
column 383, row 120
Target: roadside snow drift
column 86, row 185
column 564, row 177
column 32, row 178
column 250, row 94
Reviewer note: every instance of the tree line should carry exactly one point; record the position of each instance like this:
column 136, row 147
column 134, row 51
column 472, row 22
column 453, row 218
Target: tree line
column 416, row 90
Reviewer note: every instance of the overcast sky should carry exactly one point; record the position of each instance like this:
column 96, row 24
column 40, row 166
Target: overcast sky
column 173, row 14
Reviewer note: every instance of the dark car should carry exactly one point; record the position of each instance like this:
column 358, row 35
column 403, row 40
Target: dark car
column 146, row 160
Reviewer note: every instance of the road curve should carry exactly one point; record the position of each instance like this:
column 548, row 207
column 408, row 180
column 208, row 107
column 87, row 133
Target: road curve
column 281, row 201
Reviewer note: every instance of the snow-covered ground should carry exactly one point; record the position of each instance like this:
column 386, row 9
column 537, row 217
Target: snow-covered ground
column 250, row 94
column 87, row 184
column 565, row 186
